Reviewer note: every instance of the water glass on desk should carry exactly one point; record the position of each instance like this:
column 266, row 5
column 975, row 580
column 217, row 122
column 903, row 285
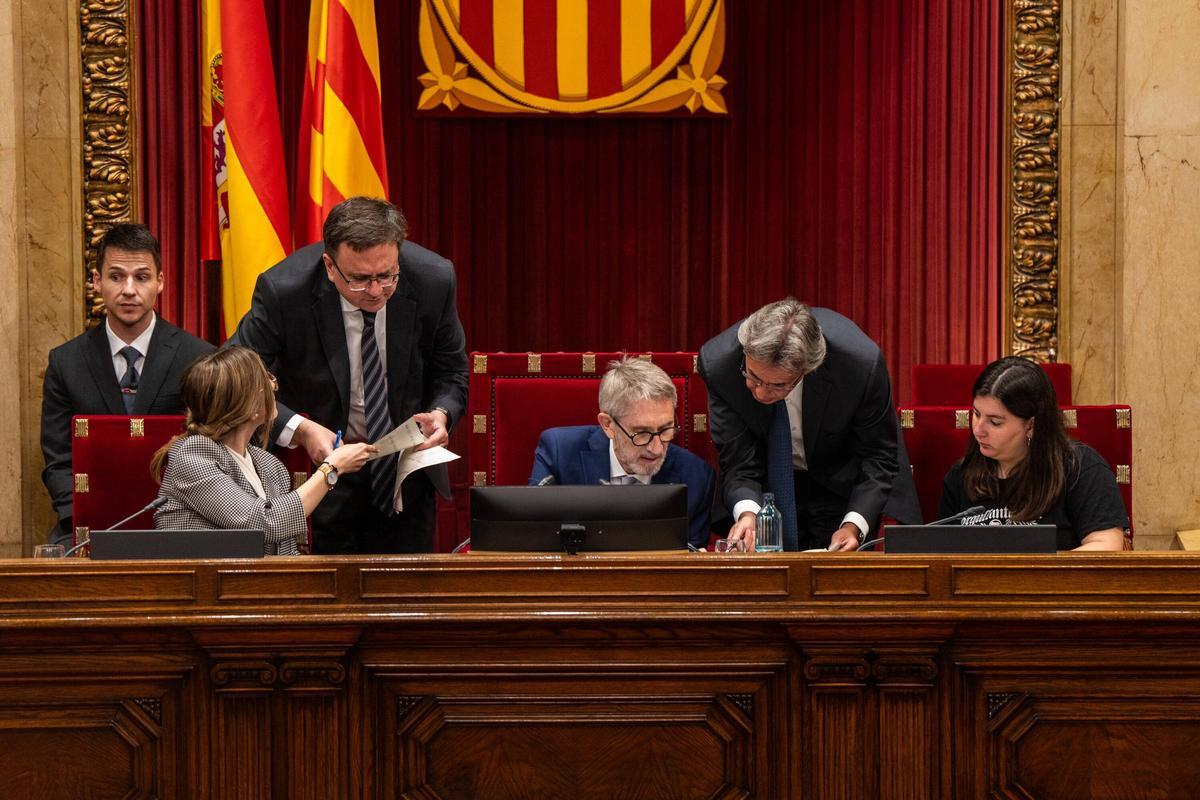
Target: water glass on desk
column 48, row 551
column 727, row 546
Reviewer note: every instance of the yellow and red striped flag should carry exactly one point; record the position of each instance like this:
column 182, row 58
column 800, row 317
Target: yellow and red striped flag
column 341, row 151
column 240, row 108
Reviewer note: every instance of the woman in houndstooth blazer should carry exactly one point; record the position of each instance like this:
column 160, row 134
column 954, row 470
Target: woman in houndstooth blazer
column 216, row 478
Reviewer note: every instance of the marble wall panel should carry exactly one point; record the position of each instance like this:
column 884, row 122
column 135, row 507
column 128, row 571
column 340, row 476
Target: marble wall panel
column 1160, row 369
column 1162, row 67
column 1090, row 313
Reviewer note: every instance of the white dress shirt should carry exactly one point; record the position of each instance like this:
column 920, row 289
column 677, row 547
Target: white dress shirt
column 141, row 343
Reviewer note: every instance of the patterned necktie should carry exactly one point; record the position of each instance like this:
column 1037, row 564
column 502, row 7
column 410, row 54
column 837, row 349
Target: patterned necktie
column 129, row 381
column 382, row 470
column 780, row 474
column 623, row 480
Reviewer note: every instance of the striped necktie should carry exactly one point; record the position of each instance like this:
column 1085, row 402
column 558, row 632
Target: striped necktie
column 382, row 471
column 129, row 381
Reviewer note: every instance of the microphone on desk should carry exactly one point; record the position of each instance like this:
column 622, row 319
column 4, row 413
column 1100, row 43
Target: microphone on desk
column 157, row 502
column 546, row 481
column 966, row 512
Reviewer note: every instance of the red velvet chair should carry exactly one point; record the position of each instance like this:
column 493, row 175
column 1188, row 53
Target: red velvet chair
column 936, row 437
column 515, row 396
column 110, row 462
column 950, row 384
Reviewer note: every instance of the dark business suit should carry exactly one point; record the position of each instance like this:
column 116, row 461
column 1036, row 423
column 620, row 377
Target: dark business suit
column 81, row 379
column 852, row 441
column 295, row 324
column 578, row 455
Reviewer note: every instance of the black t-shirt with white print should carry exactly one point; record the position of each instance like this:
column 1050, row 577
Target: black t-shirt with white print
column 1090, row 502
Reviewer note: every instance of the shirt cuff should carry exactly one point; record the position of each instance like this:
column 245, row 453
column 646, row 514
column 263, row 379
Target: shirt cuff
column 289, row 430
column 742, row 506
column 859, row 521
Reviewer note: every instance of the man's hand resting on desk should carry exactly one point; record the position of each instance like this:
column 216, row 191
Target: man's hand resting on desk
column 433, row 425
column 743, row 530
column 845, row 537
column 315, row 438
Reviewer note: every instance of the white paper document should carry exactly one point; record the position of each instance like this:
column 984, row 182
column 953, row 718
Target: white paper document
column 402, row 440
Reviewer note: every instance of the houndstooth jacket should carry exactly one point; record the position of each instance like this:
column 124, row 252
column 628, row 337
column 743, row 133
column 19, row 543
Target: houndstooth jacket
column 205, row 488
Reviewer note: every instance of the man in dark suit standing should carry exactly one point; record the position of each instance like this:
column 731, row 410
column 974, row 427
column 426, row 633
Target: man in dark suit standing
column 631, row 443
column 800, row 404
column 130, row 365
column 362, row 332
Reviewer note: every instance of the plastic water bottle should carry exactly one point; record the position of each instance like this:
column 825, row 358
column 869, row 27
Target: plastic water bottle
column 768, row 527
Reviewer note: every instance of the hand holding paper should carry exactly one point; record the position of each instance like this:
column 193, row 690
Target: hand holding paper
column 401, row 438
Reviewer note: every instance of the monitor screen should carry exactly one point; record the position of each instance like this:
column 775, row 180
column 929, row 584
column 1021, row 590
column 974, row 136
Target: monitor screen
column 165, row 543
column 558, row 519
column 957, row 538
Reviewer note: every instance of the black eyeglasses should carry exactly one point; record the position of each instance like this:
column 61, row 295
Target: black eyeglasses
column 643, row 438
column 776, row 388
column 362, row 284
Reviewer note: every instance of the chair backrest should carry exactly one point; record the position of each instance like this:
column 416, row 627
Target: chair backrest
column 516, row 396
column 950, row 384
column 110, row 462
column 936, row 437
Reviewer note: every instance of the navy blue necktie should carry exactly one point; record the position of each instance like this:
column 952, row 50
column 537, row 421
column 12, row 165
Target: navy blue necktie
column 129, row 381
column 382, row 471
column 781, row 479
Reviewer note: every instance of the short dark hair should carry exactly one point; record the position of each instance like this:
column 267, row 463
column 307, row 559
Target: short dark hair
column 363, row 223
column 132, row 237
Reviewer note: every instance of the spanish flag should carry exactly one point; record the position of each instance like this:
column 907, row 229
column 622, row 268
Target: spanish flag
column 341, row 151
column 240, row 109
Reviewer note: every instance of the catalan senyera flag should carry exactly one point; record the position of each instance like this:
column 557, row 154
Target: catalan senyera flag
column 341, row 151
column 572, row 56
column 240, row 109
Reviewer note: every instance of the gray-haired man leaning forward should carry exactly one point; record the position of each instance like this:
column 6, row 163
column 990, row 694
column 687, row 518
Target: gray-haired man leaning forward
column 633, row 442
column 800, row 404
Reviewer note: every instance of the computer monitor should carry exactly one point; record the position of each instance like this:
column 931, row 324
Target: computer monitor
column 572, row 519
column 166, row 543
column 970, row 538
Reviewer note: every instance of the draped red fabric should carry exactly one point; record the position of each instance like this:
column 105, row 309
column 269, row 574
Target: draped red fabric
column 860, row 169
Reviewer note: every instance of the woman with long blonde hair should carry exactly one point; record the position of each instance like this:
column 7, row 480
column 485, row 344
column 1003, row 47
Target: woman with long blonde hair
column 216, row 476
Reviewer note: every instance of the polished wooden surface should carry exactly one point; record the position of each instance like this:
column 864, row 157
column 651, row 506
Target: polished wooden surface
column 691, row 676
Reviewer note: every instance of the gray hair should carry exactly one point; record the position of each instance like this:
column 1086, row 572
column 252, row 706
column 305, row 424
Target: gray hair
column 784, row 334
column 362, row 223
column 630, row 380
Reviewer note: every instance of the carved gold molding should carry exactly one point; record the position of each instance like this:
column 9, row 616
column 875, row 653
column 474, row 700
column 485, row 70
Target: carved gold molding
column 1032, row 263
column 106, row 37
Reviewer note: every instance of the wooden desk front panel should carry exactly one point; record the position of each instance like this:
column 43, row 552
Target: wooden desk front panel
column 542, row 677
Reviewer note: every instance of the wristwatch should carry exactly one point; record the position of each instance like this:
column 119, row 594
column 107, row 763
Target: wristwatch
column 330, row 472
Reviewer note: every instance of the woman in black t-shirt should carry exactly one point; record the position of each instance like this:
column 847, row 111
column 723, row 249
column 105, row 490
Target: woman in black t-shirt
column 1023, row 469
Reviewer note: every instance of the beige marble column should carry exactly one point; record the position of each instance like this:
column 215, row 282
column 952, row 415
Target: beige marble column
column 40, row 238
column 1159, row 346
column 1090, row 301
column 11, row 226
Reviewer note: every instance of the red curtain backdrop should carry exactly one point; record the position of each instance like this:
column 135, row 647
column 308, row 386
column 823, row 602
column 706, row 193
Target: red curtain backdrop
column 860, row 169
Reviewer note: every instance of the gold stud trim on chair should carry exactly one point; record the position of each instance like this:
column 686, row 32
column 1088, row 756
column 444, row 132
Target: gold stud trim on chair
column 534, row 362
column 1070, row 418
column 81, row 428
column 479, row 365
column 81, row 483
column 1124, row 418
column 699, row 423
column 962, row 418
column 587, row 362
column 479, row 423
column 137, row 428
column 908, row 418
column 1123, row 473
column 298, row 479
column 479, row 479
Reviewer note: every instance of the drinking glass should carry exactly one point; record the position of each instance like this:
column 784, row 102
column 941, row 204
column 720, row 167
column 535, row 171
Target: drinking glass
column 727, row 546
column 48, row 551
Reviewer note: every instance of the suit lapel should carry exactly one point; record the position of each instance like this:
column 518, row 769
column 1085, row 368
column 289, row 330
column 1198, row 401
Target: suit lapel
column 100, row 364
column 594, row 460
column 815, row 396
column 401, row 334
column 327, row 313
column 161, row 354
column 670, row 472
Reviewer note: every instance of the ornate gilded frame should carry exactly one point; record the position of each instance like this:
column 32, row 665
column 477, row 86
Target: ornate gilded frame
column 108, row 81
column 107, row 50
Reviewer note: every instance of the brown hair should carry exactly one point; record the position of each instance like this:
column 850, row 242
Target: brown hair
column 221, row 391
column 1034, row 484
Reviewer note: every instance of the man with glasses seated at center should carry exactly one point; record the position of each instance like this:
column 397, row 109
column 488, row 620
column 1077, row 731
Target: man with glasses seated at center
column 631, row 444
column 800, row 405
